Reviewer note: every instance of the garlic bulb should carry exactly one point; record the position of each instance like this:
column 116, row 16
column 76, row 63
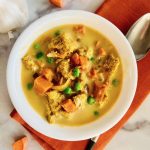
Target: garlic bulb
column 13, row 14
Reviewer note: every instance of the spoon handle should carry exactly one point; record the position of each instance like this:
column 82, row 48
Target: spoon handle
column 91, row 143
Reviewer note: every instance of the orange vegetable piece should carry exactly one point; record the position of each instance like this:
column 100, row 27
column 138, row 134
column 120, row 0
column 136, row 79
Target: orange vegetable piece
column 47, row 73
column 92, row 73
column 75, row 59
column 57, row 3
column 20, row 144
column 41, row 85
column 84, row 62
column 68, row 105
column 101, row 52
column 99, row 90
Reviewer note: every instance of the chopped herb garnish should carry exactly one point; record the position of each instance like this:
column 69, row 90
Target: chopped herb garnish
column 57, row 33
column 115, row 82
column 29, row 86
column 39, row 55
column 96, row 113
column 37, row 46
column 50, row 60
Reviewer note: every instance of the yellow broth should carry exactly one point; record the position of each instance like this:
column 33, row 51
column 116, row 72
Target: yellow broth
column 81, row 116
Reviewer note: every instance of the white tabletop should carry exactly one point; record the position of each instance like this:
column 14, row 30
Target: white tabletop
column 135, row 135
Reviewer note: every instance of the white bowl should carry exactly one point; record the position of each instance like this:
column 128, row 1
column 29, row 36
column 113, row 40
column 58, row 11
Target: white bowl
column 14, row 75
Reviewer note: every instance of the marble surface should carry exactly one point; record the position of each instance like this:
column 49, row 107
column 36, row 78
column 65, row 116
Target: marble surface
column 135, row 135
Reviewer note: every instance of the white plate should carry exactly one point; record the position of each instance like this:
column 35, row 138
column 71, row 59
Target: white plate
column 14, row 75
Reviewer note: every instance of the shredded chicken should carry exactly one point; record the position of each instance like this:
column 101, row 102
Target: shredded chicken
column 61, row 46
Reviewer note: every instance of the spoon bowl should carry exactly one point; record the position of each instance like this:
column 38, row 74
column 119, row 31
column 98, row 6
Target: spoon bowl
column 139, row 36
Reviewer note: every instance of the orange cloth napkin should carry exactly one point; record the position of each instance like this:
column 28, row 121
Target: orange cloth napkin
column 123, row 13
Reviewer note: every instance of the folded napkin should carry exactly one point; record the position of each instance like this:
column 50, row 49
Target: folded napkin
column 123, row 14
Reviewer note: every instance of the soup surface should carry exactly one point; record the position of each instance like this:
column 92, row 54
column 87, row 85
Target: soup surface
column 71, row 75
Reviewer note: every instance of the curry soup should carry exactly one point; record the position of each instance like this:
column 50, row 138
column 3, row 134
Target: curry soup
column 71, row 75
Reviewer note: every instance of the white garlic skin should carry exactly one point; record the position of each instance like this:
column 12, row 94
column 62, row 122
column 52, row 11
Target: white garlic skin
column 13, row 14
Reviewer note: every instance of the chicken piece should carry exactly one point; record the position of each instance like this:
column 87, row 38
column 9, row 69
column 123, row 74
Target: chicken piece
column 64, row 68
column 80, row 100
column 30, row 63
column 75, row 59
column 61, row 46
column 99, row 90
column 110, row 64
column 41, row 85
column 55, row 97
column 48, row 74
column 101, row 77
column 83, row 79
column 53, row 105
column 68, row 105
column 62, row 86
column 90, row 53
column 79, row 29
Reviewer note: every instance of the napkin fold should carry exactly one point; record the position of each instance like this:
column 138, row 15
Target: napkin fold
column 123, row 13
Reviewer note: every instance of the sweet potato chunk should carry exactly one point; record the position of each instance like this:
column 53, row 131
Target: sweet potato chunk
column 41, row 85
column 93, row 73
column 84, row 62
column 20, row 144
column 68, row 105
column 101, row 52
column 99, row 90
column 75, row 59
column 57, row 3
column 47, row 73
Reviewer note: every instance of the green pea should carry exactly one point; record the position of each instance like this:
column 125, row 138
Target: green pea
column 68, row 90
column 29, row 86
column 37, row 46
column 77, row 86
column 57, row 33
column 39, row 55
column 90, row 100
column 96, row 113
column 50, row 60
column 76, row 72
column 115, row 82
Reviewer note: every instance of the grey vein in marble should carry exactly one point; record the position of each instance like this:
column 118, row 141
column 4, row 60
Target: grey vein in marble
column 136, row 126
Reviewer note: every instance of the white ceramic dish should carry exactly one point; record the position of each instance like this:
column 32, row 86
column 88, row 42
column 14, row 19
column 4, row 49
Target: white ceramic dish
column 14, row 75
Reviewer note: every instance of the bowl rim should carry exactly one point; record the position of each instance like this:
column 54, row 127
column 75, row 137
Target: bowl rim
column 11, row 88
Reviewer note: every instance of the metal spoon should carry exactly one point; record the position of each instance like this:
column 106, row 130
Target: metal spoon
column 139, row 38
